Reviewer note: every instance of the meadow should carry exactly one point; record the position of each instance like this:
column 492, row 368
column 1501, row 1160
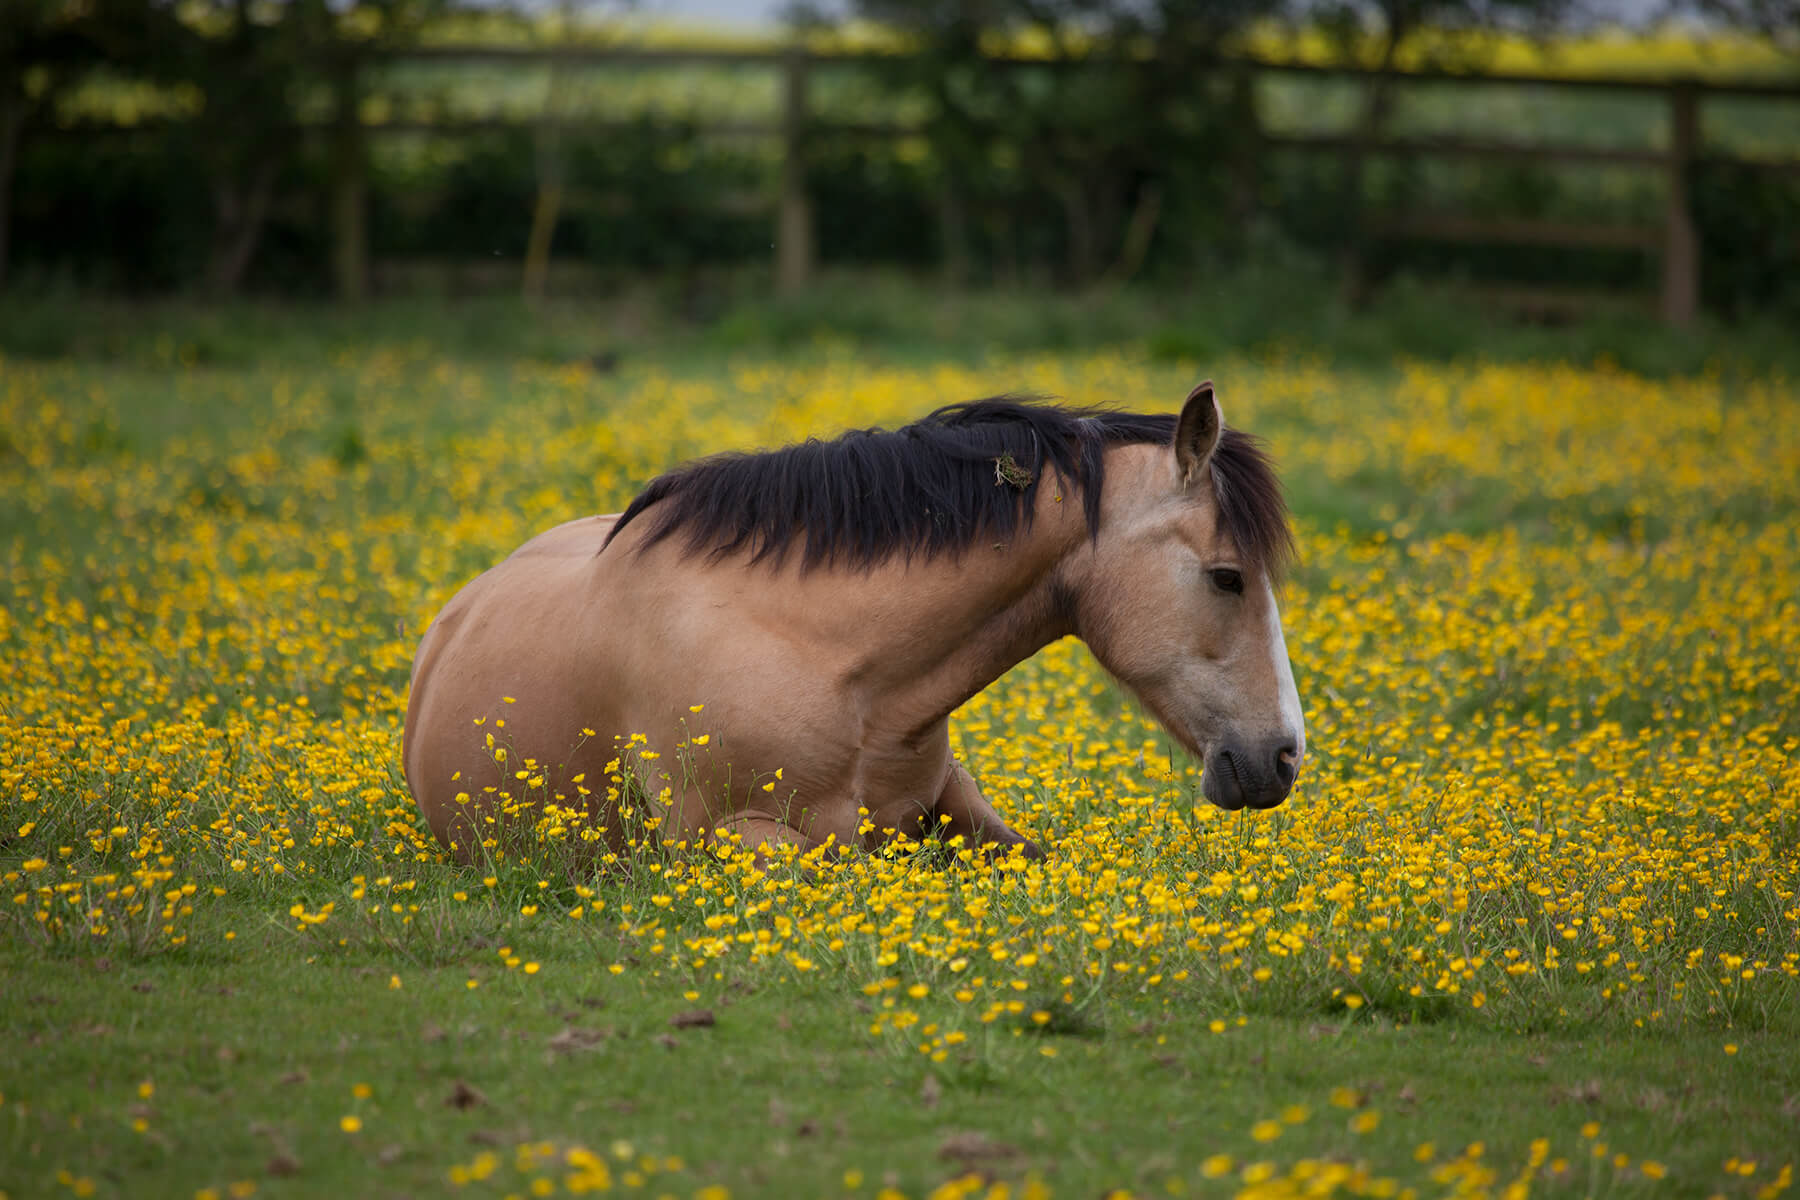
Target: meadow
column 1528, row 925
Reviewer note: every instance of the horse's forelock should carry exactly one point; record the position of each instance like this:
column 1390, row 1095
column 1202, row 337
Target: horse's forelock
column 1251, row 503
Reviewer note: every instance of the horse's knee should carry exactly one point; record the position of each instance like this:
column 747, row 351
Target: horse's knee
column 1002, row 846
column 763, row 836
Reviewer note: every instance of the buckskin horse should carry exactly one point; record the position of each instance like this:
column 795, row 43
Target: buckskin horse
column 810, row 617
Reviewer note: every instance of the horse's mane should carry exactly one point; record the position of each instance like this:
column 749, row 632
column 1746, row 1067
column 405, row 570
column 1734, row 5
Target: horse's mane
column 964, row 473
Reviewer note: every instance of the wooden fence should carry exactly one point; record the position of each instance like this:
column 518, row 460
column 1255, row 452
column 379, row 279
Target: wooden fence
column 1674, row 240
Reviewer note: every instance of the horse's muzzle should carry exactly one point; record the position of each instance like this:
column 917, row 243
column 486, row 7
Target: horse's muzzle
column 1242, row 775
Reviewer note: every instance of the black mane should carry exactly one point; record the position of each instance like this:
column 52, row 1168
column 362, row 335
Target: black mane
column 966, row 472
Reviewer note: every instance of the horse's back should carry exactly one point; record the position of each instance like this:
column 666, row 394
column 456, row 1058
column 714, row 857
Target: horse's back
column 519, row 573
column 582, row 536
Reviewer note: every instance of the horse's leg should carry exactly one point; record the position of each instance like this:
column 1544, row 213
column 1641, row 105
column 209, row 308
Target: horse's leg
column 974, row 818
column 763, row 834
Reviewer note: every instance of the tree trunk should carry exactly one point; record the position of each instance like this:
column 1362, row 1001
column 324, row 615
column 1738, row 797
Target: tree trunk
column 349, row 211
column 1355, row 251
column 12, row 129
column 1078, row 222
column 546, row 208
column 1007, row 271
column 796, row 245
column 950, row 142
column 953, row 225
column 1139, row 231
column 1247, row 151
column 1681, row 242
column 240, row 209
column 545, row 212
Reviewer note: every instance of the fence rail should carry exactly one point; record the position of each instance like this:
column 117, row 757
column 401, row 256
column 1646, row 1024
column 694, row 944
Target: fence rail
column 602, row 55
column 1675, row 239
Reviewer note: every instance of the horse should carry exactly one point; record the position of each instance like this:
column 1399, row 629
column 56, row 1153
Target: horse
column 778, row 639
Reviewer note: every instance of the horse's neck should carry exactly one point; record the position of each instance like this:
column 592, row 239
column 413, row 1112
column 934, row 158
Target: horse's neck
column 975, row 616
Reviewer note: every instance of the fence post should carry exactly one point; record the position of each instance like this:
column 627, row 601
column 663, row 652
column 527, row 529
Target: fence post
column 1377, row 98
column 1681, row 244
column 1246, row 150
column 793, row 221
column 349, row 166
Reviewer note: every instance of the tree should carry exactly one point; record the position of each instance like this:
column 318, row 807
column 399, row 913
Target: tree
column 342, row 38
column 1122, row 106
column 43, row 50
column 1377, row 33
column 1777, row 20
column 254, row 66
column 244, row 62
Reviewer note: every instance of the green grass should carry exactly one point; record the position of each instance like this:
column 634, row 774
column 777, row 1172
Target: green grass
column 241, row 1056
column 886, row 316
column 252, row 1062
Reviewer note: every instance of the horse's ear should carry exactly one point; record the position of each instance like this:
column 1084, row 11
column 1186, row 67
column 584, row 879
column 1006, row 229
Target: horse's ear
column 1197, row 433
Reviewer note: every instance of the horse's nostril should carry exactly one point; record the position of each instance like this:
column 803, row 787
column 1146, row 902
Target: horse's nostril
column 1287, row 764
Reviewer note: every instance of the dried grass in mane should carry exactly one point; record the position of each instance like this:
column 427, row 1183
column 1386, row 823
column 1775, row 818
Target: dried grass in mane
column 965, row 473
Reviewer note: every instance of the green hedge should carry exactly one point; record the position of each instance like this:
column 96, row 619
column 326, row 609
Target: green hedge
column 133, row 213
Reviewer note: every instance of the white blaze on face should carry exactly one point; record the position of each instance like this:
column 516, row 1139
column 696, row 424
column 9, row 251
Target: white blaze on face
column 1293, row 722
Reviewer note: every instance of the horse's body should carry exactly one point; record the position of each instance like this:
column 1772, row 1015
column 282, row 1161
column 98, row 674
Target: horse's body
column 755, row 632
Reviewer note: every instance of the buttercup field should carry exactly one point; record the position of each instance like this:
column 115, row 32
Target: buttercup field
column 1527, row 924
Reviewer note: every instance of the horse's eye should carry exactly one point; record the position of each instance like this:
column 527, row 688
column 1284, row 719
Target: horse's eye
column 1227, row 580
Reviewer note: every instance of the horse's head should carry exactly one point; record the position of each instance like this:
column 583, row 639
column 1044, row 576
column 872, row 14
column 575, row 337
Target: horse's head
column 1182, row 605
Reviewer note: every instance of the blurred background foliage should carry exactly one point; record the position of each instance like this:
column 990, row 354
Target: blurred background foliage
column 299, row 147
